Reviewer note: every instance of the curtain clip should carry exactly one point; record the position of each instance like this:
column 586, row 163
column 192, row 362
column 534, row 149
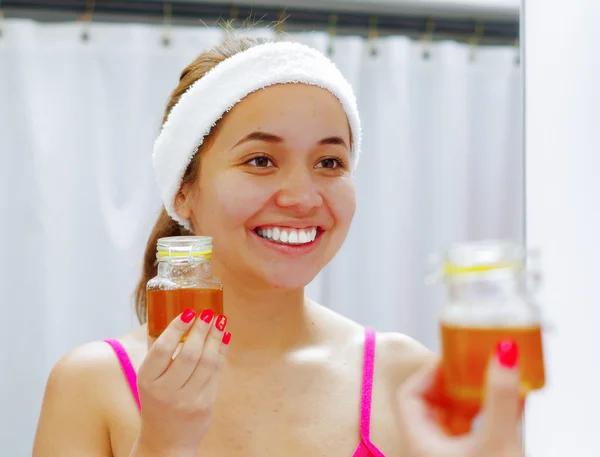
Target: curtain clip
column 373, row 34
column 86, row 20
column 331, row 33
column 279, row 25
column 167, row 22
column 474, row 39
column 233, row 15
column 427, row 38
column 1, row 21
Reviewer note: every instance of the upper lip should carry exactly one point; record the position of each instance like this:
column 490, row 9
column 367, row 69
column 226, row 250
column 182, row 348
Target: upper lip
column 292, row 225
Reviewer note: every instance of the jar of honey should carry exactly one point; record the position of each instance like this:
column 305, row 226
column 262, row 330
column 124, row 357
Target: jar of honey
column 488, row 300
column 184, row 281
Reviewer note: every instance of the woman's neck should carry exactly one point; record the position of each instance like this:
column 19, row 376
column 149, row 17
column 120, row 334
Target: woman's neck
column 266, row 320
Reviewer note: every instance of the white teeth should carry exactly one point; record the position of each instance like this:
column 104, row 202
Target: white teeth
column 302, row 238
column 289, row 236
column 293, row 237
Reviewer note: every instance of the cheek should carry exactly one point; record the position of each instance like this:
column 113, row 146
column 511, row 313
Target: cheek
column 341, row 199
column 233, row 201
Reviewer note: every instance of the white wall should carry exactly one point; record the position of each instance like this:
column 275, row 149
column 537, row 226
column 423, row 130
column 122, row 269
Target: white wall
column 562, row 93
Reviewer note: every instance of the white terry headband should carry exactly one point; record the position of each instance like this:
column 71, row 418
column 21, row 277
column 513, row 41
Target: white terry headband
column 220, row 89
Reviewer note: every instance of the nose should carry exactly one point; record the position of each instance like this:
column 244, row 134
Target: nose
column 299, row 191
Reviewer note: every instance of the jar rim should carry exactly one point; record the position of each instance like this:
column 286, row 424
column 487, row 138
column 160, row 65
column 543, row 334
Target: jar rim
column 184, row 246
column 482, row 256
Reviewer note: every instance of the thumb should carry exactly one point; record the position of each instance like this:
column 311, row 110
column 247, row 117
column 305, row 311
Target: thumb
column 150, row 340
column 502, row 406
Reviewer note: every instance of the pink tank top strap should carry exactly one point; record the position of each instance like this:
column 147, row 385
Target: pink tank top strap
column 367, row 395
column 367, row 384
column 127, row 367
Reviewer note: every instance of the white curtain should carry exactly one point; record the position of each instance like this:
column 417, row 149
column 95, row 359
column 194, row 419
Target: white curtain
column 442, row 162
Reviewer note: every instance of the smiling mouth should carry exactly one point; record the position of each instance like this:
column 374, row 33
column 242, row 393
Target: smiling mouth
column 288, row 236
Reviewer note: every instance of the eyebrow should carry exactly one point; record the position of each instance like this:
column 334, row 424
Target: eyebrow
column 272, row 138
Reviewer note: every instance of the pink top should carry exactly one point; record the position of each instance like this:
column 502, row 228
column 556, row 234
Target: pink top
column 365, row 448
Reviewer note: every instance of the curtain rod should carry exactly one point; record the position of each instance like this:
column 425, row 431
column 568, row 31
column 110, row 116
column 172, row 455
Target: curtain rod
column 342, row 22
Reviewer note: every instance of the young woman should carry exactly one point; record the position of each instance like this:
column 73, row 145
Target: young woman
column 257, row 148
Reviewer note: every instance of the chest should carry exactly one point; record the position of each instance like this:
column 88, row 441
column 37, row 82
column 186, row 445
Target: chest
column 280, row 433
column 305, row 413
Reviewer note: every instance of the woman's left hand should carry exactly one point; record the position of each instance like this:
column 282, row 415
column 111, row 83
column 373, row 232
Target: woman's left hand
column 434, row 428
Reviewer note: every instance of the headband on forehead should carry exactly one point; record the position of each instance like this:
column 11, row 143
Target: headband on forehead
column 220, row 89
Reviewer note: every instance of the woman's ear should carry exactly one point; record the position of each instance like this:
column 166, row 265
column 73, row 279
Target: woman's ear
column 183, row 203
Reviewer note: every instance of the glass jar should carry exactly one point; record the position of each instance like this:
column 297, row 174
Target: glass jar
column 488, row 300
column 184, row 281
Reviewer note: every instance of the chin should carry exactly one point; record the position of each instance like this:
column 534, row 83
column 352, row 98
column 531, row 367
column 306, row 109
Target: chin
column 290, row 278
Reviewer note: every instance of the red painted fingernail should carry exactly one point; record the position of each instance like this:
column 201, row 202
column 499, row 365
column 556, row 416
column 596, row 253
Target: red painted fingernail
column 507, row 353
column 221, row 322
column 226, row 337
column 188, row 315
column 207, row 315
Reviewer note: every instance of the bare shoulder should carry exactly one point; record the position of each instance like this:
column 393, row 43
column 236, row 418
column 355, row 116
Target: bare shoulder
column 90, row 370
column 72, row 420
column 399, row 356
column 87, row 366
column 81, row 389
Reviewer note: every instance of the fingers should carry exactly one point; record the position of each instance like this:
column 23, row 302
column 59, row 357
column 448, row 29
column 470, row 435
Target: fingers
column 192, row 351
column 457, row 424
column 224, row 348
column 213, row 356
column 424, row 381
column 502, row 405
column 161, row 352
column 429, row 411
column 417, row 411
column 150, row 340
column 429, row 384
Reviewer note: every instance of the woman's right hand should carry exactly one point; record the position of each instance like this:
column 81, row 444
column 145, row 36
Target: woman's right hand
column 177, row 394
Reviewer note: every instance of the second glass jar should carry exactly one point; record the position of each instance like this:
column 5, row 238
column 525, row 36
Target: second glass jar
column 488, row 301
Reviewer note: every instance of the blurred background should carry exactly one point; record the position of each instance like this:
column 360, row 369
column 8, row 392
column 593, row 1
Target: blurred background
column 83, row 87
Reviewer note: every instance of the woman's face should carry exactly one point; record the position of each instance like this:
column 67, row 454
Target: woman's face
column 275, row 189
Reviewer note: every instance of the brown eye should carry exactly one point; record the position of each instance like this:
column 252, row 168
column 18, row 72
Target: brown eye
column 330, row 162
column 260, row 162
